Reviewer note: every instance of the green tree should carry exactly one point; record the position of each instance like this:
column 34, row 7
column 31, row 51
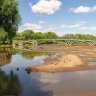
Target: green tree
column 51, row 35
column 39, row 35
column 17, row 37
column 9, row 17
column 3, row 35
column 28, row 34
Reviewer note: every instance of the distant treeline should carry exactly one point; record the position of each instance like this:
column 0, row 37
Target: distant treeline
column 30, row 34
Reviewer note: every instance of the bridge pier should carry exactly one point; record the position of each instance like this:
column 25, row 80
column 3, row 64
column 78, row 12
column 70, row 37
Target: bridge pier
column 68, row 42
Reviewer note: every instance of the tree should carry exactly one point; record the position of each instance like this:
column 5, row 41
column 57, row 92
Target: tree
column 28, row 34
column 17, row 37
column 39, row 35
column 9, row 17
column 51, row 35
column 3, row 35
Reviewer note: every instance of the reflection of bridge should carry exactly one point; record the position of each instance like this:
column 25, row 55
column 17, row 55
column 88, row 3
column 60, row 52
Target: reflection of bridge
column 64, row 41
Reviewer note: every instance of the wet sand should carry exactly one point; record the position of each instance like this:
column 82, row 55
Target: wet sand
column 75, row 59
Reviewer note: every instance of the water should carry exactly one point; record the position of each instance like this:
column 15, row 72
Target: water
column 20, row 83
column 91, row 63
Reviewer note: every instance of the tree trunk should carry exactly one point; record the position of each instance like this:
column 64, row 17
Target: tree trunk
column 10, row 41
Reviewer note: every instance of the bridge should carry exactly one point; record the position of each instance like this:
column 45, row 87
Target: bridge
column 64, row 41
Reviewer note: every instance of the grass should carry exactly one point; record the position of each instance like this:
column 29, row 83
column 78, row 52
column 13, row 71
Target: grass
column 5, row 45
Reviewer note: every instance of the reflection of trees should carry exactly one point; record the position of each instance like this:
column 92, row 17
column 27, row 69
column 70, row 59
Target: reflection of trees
column 5, row 58
column 6, row 54
column 9, row 84
column 31, row 55
column 11, row 51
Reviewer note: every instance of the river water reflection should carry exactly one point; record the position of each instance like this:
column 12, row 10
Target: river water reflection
column 41, row 84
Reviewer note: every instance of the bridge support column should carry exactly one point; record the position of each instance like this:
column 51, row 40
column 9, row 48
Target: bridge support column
column 68, row 42
column 92, row 43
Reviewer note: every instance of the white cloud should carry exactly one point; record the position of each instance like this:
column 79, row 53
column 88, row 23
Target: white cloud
column 50, row 29
column 36, row 27
column 92, row 28
column 41, row 22
column 32, row 26
column 87, row 28
column 46, row 6
column 19, row 31
column 71, row 26
column 81, row 22
column 61, row 33
column 83, row 9
column 52, row 25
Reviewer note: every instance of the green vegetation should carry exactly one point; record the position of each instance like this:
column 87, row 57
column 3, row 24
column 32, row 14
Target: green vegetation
column 9, row 19
column 79, row 36
column 30, row 34
column 27, row 34
column 3, row 35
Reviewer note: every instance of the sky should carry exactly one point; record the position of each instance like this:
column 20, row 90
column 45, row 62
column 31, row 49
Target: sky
column 59, row 16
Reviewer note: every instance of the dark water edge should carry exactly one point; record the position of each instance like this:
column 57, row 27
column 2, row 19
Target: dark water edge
column 14, row 80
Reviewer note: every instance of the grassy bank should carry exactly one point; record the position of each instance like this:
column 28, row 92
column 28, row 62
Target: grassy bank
column 5, row 45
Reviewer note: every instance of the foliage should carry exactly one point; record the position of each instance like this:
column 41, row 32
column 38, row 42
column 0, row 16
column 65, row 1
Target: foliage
column 30, row 34
column 79, row 36
column 9, row 17
column 51, row 35
column 17, row 37
column 3, row 35
column 39, row 35
column 27, row 34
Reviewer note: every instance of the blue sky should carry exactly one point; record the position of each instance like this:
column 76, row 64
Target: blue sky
column 59, row 16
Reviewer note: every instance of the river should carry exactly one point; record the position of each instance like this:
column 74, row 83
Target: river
column 14, row 80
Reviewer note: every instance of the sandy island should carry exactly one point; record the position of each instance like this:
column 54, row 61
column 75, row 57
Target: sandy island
column 70, row 61
column 65, row 62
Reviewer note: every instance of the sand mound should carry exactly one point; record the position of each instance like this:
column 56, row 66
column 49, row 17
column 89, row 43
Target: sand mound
column 57, row 64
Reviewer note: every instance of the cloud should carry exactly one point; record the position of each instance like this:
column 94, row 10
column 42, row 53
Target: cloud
column 71, row 26
column 32, row 26
column 36, row 27
column 83, row 9
column 46, row 6
column 52, row 25
column 19, row 31
column 87, row 28
column 41, row 22
column 61, row 33
column 81, row 22
column 50, row 29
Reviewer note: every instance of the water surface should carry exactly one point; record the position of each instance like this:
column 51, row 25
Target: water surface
column 14, row 77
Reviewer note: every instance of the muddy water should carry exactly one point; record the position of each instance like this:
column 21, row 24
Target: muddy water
column 14, row 77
